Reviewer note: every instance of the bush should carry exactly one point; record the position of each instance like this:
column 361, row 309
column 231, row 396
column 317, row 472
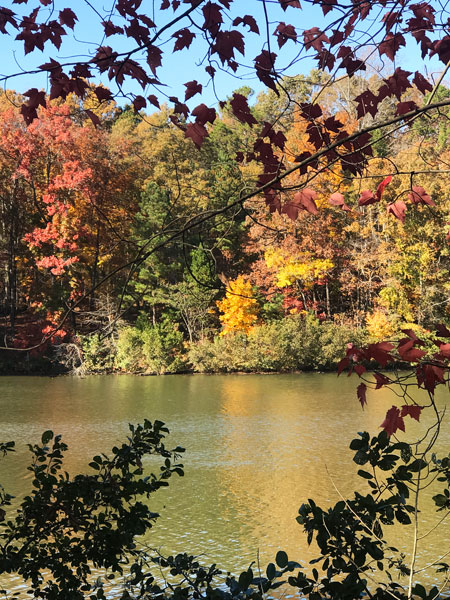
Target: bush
column 98, row 353
column 150, row 348
column 294, row 343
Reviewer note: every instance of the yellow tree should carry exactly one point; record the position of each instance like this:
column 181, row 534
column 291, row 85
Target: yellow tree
column 239, row 307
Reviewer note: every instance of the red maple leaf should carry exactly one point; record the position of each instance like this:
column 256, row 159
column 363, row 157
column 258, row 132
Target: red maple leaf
column 413, row 410
column 367, row 198
column 398, row 209
column 422, row 84
column 249, row 21
column 197, row 132
column 393, row 421
column 68, row 17
column 381, row 380
column 338, row 199
column 380, row 189
column 418, row 195
column 361, row 393
column 192, row 88
column 241, row 110
column 391, row 44
column 184, row 39
column 203, row 114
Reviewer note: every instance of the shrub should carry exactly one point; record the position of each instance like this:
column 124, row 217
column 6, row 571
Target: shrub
column 292, row 344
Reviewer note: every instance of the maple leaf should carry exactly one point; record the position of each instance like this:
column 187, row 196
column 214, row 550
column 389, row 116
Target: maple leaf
column 192, row 88
column 380, row 352
column 361, row 393
column 286, row 3
column 413, row 410
column 367, row 198
column 285, row 33
column 154, row 56
column 264, row 66
column 241, row 110
column 390, row 18
column 153, row 100
column 68, row 17
column 405, row 107
column 197, row 132
column 303, row 200
column 314, row 38
column 139, row 103
column 7, row 16
column 407, row 351
column 421, row 83
column 204, row 114
column 367, row 102
column 418, row 195
column 338, row 199
column 391, row 44
column 398, row 209
column 184, row 39
column 225, row 45
column 381, row 380
column 102, row 93
column 93, row 117
column 111, row 29
column 213, row 17
column 442, row 330
column 380, row 189
column 249, row 21
column 393, row 421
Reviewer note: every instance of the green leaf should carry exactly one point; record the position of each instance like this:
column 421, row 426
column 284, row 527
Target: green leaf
column 271, row 571
column 365, row 474
column 46, row 437
column 282, row 559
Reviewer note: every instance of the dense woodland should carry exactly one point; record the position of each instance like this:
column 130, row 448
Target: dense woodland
column 121, row 235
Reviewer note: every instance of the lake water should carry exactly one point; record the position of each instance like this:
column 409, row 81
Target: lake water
column 257, row 446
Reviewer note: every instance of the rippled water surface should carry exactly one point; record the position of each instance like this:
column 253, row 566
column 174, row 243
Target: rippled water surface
column 257, row 446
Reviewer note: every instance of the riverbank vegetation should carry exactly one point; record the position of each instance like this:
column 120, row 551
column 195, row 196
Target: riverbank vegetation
column 119, row 252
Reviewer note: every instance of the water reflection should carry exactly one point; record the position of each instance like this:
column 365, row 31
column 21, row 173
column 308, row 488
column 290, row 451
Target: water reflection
column 257, row 447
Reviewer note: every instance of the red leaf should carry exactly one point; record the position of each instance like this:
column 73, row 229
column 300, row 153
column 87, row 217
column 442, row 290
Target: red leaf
column 337, row 199
column 247, row 20
column 380, row 189
column 405, row 107
column 305, row 199
column 204, row 114
column 408, row 353
column 286, row 3
column 412, row 410
column 380, row 352
column 138, row 103
column 418, row 195
column 367, row 198
column 381, row 380
column 442, row 330
column 391, row 44
column 154, row 57
column 192, row 88
column 393, row 421
column 153, row 100
column 184, row 39
column 196, row 132
column 444, row 350
column 398, row 209
column 68, row 17
column 359, row 369
column 241, row 110
column 422, row 84
column 285, row 33
column 361, row 393
column 343, row 364
column 93, row 117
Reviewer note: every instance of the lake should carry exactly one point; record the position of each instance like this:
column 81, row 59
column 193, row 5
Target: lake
column 257, row 446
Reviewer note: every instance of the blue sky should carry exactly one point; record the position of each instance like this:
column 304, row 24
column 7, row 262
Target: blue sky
column 178, row 67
